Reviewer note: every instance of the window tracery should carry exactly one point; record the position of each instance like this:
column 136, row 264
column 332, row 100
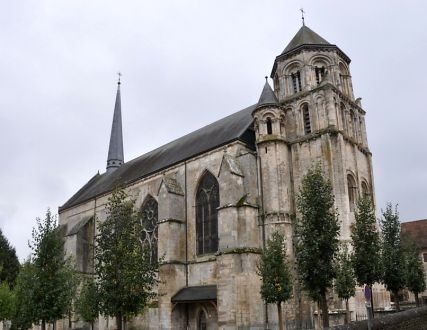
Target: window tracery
column 207, row 202
column 149, row 223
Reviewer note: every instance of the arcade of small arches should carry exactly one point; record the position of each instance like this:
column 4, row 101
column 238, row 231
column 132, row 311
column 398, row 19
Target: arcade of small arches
column 353, row 191
column 296, row 77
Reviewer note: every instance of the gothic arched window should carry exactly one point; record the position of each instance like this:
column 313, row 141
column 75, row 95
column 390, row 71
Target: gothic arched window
column 306, row 119
column 149, row 223
column 207, row 202
column 351, row 185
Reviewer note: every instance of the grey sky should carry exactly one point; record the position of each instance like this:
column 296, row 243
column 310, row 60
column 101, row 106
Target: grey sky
column 186, row 64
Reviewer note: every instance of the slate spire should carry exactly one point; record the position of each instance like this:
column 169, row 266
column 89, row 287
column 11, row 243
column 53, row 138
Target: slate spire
column 267, row 95
column 115, row 150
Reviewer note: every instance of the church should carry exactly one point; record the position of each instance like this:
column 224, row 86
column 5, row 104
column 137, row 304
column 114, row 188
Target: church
column 212, row 198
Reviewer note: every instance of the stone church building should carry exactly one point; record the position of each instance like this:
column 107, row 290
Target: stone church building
column 212, row 198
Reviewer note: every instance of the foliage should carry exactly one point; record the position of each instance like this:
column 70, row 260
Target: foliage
column 274, row 271
column 345, row 281
column 24, row 313
column 55, row 280
column 414, row 270
column 87, row 303
column 9, row 264
column 366, row 244
column 392, row 252
column 6, row 302
column 122, row 263
column 316, row 233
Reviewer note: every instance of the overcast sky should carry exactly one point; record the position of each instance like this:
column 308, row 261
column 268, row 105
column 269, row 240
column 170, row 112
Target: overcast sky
column 186, row 64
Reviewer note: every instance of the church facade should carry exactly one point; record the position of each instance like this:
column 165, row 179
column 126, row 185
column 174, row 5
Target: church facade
column 212, row 198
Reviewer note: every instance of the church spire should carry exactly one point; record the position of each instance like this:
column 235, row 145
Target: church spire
column 115, row 150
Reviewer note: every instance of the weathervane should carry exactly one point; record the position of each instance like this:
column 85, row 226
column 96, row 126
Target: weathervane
column 119, row 74
column 302, row 16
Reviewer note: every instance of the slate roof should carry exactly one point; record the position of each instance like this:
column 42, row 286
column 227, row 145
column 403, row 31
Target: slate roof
column 237, row 126
column 267, row 96
column 195, row 294
column 305, row 36
column 415, row 230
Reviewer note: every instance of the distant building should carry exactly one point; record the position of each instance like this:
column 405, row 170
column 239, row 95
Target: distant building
column 417, row 231
column 213, row 197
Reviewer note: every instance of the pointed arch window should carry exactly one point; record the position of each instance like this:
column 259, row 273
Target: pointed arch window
column 149, row 222
column 306, row 119
column 352, row 190
column 207, row 202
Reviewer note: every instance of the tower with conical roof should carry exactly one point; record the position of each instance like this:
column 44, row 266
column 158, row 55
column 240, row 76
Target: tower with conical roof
column 310, row 117
column 115, row 150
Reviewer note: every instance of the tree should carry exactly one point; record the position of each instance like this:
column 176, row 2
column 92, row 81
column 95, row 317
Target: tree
column 276, row 286
column 414, row 270
column 9, row 264
column 393, row 263
column 317, row 237
column 366, row 256
column 345, row 281
column 6, row 302
column 87, row 303
column 125, row 274
column 55, row 280
column 24, row 314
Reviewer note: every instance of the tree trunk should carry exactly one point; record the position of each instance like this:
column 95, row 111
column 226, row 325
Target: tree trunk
column 347, row 312
column 372, row 302
column 91, row 325
column 417, row 299
column 279, row 313
column 325, row 312
column 319, row 320
column 119, row 323
column 43, row 325
column 396, row 300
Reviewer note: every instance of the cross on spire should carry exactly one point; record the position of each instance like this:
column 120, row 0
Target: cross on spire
column 302, row 16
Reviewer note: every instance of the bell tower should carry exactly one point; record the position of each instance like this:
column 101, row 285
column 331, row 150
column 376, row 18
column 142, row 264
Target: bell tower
column 322, row 120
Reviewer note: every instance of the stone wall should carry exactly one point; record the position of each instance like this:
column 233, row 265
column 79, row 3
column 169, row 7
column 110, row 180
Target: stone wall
column 413, row 319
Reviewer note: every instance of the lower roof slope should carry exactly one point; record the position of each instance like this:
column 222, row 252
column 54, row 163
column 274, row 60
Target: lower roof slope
column 237, row 126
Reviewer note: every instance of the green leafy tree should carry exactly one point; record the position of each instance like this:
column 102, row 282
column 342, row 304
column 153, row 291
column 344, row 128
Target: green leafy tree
column 276, row 286
column 392, row 259
column 366, row 258
column 414, row 270
column 24, row 313
column 345, row 281
column 6, row 302
column 317, row 234
column 87, row 303
column 125, row 275
column 55, row 280
column 9, row 264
